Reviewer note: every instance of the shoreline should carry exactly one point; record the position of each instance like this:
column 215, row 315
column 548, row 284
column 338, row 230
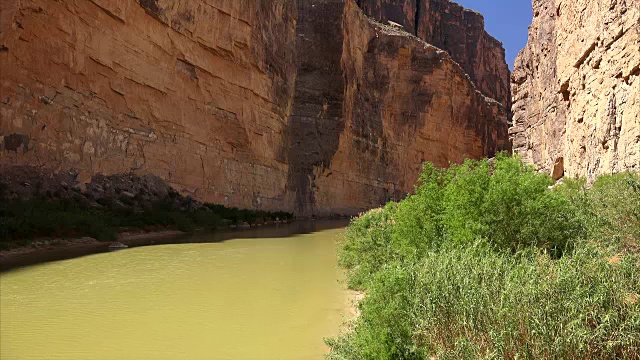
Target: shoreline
column 45, row 250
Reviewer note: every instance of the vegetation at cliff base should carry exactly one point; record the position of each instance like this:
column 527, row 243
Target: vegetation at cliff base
column 22, row 220
column 488, row 260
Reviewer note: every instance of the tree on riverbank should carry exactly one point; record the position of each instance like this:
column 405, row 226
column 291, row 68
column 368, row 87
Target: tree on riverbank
column 489, row 260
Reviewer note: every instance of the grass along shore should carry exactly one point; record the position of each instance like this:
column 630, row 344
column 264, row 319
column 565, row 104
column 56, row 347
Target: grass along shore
column 488, row 260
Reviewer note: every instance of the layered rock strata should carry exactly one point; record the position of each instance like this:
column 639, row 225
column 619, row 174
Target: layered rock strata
column 458, row 31
column 194, row 92
column 576, row 88
column 396, row 103
column 304, row 106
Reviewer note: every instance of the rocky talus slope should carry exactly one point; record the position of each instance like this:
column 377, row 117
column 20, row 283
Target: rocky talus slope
column 576, row 88
column 306, row 106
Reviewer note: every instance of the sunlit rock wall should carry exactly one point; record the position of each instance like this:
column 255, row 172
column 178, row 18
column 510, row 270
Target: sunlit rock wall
column 306, row 106
column 576, row 88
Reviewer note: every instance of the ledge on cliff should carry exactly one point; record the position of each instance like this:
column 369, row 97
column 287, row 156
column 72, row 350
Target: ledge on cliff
column 455, row 29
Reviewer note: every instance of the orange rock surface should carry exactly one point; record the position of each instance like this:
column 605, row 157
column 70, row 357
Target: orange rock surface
column 304, row 106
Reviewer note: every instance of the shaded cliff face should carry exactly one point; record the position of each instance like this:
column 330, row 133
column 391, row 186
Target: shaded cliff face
column 458, row 31
column 316, row 118
column 402, row 12
column 461, row 33
column 296, row 105
column 370, row 110
column 408, row 102
column 576, row 88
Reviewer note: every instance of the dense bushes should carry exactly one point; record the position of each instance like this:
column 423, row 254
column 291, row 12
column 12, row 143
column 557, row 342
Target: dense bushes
column 487, row 261
column 22, row 220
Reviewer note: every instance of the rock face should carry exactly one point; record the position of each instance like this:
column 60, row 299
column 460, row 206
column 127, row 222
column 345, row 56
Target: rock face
column 305, row 106
column 458, row 31
column 576, row 88
column 396, row 103
column 194, row 92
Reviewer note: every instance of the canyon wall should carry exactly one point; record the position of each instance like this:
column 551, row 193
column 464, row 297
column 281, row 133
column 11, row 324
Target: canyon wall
column 576, row 88
column 363, row 133
column 195, row 92
column 307, row 106
column 458, row 31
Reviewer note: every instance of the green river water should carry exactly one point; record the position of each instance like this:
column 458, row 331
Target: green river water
column 253, row 298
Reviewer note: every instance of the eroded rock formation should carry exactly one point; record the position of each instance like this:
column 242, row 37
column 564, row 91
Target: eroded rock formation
column 458, row 31
column 397, row 103
column 194, row 92
column 305, row 106
column 576, row 88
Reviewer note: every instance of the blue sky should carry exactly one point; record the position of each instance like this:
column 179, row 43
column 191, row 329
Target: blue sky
column 507, row 20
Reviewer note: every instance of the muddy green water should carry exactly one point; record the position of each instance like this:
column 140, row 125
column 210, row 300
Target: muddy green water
column 257, row 298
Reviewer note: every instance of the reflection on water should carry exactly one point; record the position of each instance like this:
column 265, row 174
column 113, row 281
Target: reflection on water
column 270, row 295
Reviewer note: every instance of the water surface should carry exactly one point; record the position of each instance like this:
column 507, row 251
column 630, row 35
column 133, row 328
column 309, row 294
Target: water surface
column 254, row 298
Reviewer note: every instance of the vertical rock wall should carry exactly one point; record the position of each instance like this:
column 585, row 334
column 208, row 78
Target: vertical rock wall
column 576, row 88
column 405, row 101
column 459, row 31
column 316, row 118
column 196, row 92
column 307, row 105
column 374, row 102
column 401, row 12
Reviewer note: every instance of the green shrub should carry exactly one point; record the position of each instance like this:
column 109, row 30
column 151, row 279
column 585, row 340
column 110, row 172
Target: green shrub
column 486, row 261
column 385, row 327
column 418, row 222
column 43, row 217
column 615, row 202
column 182, row 221
column 206, row 219
column 506, row 203
column 467, row 303
column 365, row 249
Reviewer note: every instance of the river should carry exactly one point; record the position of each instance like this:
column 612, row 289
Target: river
column 274, row 294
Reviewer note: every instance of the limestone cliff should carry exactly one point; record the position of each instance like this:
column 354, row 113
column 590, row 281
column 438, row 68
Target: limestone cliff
column 298, row 105
column 576, row 88
column 363, row 133
column 458, row 31
column 194, row 92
